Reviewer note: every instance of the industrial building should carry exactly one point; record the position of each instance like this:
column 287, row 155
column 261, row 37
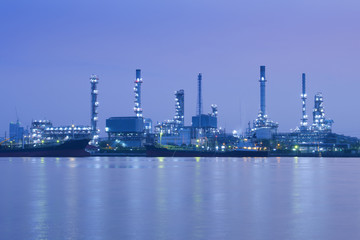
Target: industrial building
column 204, row 121
column 175, row 125
column 320, row 123
column 132, row 131
column 315, row 138
column 43, row 131
column 203, row 124
column 313, row 142
column 17, row 132
column 37, row 128
column 67, row 132
column 174, row 131
column 127, row 130
column 135, row 131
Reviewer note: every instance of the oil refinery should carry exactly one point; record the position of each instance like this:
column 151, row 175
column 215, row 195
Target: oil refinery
column 130, row 135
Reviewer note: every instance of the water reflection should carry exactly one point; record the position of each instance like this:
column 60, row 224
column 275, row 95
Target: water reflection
column 179, row 198
column 39, row 202
column 71, row 191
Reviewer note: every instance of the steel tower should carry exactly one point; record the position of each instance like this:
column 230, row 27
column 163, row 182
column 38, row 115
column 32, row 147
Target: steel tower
column 137, row 91
column 304, row 119
column 199, row 100
column 94, row 113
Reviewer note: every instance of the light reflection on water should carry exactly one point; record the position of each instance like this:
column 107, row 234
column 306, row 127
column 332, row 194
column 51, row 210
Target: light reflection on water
column 179, row 198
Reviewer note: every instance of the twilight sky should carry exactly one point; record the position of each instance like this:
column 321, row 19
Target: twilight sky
column 49, row 49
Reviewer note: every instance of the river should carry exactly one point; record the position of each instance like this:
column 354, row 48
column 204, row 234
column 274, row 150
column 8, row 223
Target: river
column 179, row 198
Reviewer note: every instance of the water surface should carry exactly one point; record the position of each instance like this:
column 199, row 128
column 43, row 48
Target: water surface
column 179, row 198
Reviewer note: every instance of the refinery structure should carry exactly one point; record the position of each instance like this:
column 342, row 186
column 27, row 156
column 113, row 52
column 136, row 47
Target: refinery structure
column 263, row 127
column 130, row 134
column 43, row 132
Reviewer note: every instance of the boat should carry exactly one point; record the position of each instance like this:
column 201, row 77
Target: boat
column 166, row 151
column 68, row 148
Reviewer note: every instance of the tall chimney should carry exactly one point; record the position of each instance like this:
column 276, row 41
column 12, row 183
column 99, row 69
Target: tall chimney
column 304, row 118
column 262, row 89
column 199, row 100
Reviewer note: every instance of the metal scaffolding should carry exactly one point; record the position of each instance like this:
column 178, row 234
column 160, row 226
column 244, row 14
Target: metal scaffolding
column 320, row 123
column 137, row 91
column 94, row 113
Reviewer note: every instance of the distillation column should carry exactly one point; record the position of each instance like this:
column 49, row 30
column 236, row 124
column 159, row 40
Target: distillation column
column 137, row 91
column 179, row 108
column 94, row 113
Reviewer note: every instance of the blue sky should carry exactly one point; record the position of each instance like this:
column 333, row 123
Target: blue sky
column 49, row 49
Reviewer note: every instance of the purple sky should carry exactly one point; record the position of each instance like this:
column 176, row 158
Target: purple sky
column 48, row 49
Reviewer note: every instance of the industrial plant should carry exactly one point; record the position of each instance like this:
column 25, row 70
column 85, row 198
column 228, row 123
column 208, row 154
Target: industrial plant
column 129, row 135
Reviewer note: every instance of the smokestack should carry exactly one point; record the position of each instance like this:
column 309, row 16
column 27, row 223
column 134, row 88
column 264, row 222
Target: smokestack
column 262, row 89
column 303, row 84
column 304, row 118
column 199, row 105
column 137, row 91
column 138, row 73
